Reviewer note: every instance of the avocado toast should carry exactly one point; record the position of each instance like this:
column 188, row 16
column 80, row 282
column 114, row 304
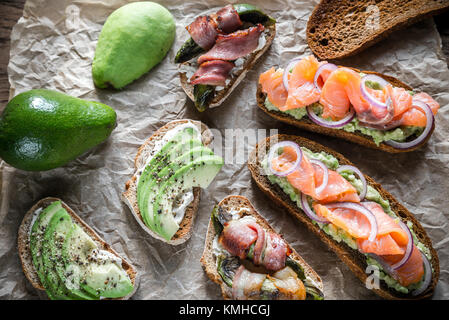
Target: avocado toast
column 62, row 255
column 170, row 167
column 234, row 219
column 341, row 242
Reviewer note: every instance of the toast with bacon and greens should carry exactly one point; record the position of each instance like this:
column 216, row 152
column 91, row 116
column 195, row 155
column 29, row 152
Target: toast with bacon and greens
column 249, row 260
column 228, row 43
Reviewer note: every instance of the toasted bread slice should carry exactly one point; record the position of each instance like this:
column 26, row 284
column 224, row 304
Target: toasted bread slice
column 356, row 137
column 352, row 258
column 338, row 29
column 208, row 260
column 23, row 243
column 130, row 194
column 237, row 77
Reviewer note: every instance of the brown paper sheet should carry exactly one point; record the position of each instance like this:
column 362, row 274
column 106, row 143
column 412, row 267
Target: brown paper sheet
column 52, row 46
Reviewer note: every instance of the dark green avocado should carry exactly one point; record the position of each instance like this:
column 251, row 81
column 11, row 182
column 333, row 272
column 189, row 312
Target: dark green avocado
column 44, row 129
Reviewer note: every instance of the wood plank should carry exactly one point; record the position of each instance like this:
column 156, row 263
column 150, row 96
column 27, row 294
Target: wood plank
column 10, row 12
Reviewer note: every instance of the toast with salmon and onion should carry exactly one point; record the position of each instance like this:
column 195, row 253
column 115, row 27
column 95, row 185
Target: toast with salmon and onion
column 65, row 258
column 364, row 107
column 170, row 169
column 380, row 241
column 249, row 260
column 228, row 43
column 338, row 29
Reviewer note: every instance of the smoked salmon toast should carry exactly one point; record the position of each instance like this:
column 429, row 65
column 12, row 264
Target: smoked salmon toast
column 228, row 43
column 377, row 237
column 249, row 260
column 367, row 108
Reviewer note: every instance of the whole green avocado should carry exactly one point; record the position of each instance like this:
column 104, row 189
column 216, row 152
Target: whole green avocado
column 133, row 40
column 44, row 129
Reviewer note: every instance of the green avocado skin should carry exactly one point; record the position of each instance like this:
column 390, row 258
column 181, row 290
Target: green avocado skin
column 44, row 129
column 134, row 38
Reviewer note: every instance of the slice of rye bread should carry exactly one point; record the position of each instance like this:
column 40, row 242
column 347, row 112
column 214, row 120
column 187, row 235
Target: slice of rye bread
column 238, row 76
column 208, row 260
column 130, row 195
column 23, row 243
column 356, row 137
column 352, row 258
column 336, row 29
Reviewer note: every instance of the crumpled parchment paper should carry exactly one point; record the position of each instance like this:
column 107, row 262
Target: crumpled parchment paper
column 52, row 46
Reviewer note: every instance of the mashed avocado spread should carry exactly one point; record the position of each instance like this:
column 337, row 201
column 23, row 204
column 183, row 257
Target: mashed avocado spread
column 339, row 234
column 399, row 134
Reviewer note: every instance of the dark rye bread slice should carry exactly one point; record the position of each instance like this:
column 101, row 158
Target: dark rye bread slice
column 130, row 194
column 208, row 259
column 249, row 63
column 352, row 258
column 23, row 243
column 356, row 137
column 336, row 29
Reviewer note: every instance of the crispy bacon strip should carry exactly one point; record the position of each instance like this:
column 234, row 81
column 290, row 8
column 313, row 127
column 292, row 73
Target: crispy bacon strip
column 235, row 45
column 275, row 253
column 205, row 29
column 227, row 19
column 212, row 72
column 270, row 250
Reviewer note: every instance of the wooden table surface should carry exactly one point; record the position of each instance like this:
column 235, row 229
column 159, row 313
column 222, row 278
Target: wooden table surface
column 11, row 11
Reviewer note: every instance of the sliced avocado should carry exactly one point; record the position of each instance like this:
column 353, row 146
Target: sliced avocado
column 198, row 173
column 66, row 271
column 146, row 187
column 95, row 271
column 164, row 174
column 58, row 227
column 37, row 235
column 183, row 135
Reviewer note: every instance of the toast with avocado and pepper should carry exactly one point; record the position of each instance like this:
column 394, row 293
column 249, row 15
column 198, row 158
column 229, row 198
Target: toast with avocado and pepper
column 380, row 241
column 228, row 43
column 67, row 259
column 367, row 108
column 249, row 260
column 170, row 168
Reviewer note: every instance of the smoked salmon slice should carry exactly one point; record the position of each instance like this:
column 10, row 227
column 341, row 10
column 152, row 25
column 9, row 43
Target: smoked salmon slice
column 271, row 82
column 301, row 89
column 308, row 176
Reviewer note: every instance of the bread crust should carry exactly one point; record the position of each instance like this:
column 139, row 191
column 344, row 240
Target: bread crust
column 23, row 245
column 129, row 196
column 240, row 75
column 352, row 258
column 208, row 259
column 328, row 38
column 356, row 137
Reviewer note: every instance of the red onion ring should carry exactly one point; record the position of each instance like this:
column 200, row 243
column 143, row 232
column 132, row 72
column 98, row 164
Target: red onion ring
column 327, row 66
column 427, row 276
column 309, row 212
column 368, row 97
column 408, row 250
column 291, row 64
column 387, row 268
column 273, row 151
column 330, row 124
column 359, row 208
column 359, row 174
column 325, row 175
column 423, row 136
